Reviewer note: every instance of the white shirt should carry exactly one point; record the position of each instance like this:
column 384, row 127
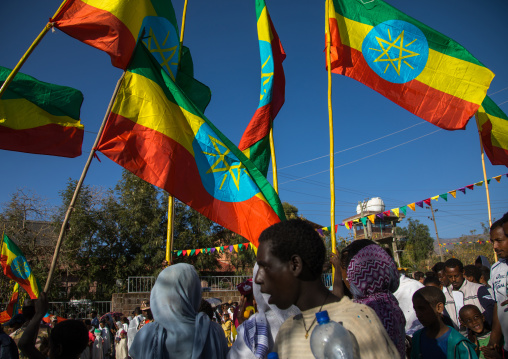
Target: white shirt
column 498, row 283
column 404, row 295
column 458, row 298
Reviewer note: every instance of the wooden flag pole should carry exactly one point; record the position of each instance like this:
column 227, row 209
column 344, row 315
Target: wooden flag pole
column 182, row 32
column 274, row 161
column 485, row 176
column 28, row 52
column 78, row 188
column 330, row 125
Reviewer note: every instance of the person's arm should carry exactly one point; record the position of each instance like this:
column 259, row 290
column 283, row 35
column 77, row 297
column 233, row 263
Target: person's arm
column 338, row 286
column 487, row 302
column 495, row 334
column 26, row 343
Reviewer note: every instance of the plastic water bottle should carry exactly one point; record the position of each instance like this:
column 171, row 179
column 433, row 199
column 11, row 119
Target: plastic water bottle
column 330, row 340
column 273, row 355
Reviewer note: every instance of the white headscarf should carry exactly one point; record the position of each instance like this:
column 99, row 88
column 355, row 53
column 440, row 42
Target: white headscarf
column 257, row 334
column 178, row 330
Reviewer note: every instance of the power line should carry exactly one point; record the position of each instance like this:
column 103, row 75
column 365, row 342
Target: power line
column 506, row 88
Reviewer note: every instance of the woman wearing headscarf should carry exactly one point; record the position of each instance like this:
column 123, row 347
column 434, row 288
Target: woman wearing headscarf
column 256, row 335
column 371, row 276
column 178, row 330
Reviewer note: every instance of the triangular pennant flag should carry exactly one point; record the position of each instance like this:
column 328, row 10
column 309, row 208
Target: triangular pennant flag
column 453, row 193
column 380, row 215
column 240, row 246
column 197, row 251
column 347, row 225
column 320, row 231
column 231, row 248
column 212, row 250
column 488, row 181
column 356, row 220
column 364, row 220
column 255, row 249
column 372, row 218
column 463, row 190
column 387, row 213
column 497, row 178
column 471, row 187
column 403, row 210
column 178, row 253
column 329, row 228
column 427, row 201
column 479, row 183
column 350, row 224
column 419, row 204
column 412, row 206
column 222, row 248
column 395, row 211
column 435, row 198
column 336, row 228
column 444, row 196
column 236, row 248
column 217, row 249
column 192, row 252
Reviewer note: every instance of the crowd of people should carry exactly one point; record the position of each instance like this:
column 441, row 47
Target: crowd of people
column 452, row 311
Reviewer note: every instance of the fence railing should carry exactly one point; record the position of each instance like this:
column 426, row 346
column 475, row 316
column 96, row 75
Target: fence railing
column 208, row 283
column 80, row 308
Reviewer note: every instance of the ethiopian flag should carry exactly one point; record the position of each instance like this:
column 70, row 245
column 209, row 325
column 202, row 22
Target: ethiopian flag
column 12, row 306
column 158, row 134
column 39, row 117
column 255, row 140
column 493, row 127
column 411, row 64
column 114, row 26
column 16, row 267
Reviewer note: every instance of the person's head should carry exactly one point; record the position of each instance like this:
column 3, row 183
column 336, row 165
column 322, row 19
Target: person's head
column 433, row 282
column 349, row 252
column 102, row 323
column 471, row 317
column 16, row 322
column 454, row 270
column 439, row 269
column 94, row 314
column 428, row 303
column 485, row 277
column 419, row 276
column 371, row 259
column 137, row 311
column 290, row 253
column 125, row 320
column 206, row 307
column 472, row 273
column 28, row 309
column 499, row 236
column 123, row 334
column 68, row 340
column 430, row 274
column 146, row 311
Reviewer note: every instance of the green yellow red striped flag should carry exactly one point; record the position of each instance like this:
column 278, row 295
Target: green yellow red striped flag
column 38, row 117
column 158, row 134
column 114, row 26
column 16, row 267
column 255, row 140
column 406, row 61
column 12, row 306
column 493, row 127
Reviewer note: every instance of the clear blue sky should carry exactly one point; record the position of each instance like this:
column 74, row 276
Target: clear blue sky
column 383, row 150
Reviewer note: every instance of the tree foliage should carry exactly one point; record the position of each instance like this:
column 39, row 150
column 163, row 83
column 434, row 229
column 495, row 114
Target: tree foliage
column 416, row 242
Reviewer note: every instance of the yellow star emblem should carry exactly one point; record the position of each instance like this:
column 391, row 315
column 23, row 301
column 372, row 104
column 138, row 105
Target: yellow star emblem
column 265, row 75
column 397, row 44
column 152, row 39
column 222, row 165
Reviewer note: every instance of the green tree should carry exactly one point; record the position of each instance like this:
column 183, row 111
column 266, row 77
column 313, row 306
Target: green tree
column 416, row 243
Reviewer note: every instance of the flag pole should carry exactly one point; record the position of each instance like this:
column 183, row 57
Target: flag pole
column 485, row 175
column 78, row 187
column 330, row 124
column 28, row 52
column 274, row 161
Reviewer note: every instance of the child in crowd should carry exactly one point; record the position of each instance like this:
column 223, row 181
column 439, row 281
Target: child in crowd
column 226, row 326
column 478, row 330
column 121, row 346
column 436, row 340
column 97, row 351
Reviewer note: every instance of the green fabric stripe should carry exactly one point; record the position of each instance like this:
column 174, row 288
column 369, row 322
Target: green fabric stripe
column 377, row 11
column 164, row 8
column 144, row 64
column 11, row 246
column 54, row 99
column 260, row 5
column 260, row 154
column 492, row 109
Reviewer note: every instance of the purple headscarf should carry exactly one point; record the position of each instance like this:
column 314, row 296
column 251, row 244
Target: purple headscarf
column 373, row 277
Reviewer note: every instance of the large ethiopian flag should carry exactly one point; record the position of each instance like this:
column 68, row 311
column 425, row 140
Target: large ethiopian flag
column 493, row 127
column 406, row 61
column 158, row 134
column 16, row 267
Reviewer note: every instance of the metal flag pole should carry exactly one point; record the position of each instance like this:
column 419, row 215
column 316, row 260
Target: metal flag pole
column 330, row 125
column 78, row 187
column 28, row 52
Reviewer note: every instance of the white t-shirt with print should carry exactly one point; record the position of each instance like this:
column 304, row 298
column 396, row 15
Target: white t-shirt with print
column 498, row 283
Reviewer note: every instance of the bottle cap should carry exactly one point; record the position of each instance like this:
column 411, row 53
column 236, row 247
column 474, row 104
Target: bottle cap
column 273, row 355
column 322, row 317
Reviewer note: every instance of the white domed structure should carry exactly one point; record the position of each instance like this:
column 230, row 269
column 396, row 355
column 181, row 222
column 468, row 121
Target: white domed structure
column 374, row 204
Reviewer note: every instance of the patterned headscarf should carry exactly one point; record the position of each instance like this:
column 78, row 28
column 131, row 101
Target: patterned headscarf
column 373, row 277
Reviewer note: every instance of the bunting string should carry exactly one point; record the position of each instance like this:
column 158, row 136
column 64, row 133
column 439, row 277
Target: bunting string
column 219, row 249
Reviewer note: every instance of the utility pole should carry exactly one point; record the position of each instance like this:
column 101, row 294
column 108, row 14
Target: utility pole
column 437, row 236
column 365, row 232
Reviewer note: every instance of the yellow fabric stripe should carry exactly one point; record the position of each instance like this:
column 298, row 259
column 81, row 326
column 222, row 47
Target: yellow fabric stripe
column 442, row 72
column 131, row 15
column 21, row 114
column 264, row 32
column 143, row 101
column 499, row 136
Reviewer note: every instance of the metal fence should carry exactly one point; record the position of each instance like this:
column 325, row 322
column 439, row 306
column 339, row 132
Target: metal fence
column 80, row 308
column 208, row 283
